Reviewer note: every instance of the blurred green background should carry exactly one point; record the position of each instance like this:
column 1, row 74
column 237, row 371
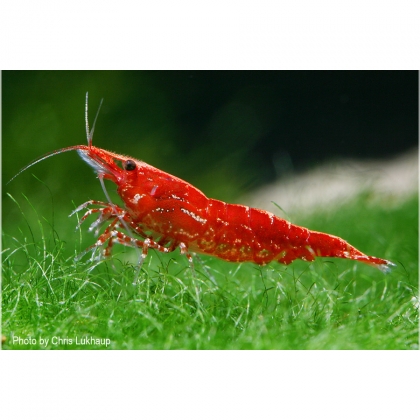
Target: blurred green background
column 225, row 132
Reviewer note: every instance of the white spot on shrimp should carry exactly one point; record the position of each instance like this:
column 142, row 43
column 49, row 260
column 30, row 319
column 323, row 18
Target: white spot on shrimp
column 194, row 216
column 137, row 197
column 222, row 221
column 153, row 190
column 161, row 210
column 175, row 197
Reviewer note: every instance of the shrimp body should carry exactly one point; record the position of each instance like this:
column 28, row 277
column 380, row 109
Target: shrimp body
column 171, row 213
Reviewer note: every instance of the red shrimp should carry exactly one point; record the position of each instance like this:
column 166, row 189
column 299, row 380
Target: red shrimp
column 164, row 212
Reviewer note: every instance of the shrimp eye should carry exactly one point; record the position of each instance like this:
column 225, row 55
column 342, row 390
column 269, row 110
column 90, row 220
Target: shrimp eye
column 129, row 165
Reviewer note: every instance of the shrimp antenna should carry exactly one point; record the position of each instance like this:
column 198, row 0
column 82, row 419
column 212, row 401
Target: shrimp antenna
column 47, row 155
column 87, row 118
column 89, row 133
